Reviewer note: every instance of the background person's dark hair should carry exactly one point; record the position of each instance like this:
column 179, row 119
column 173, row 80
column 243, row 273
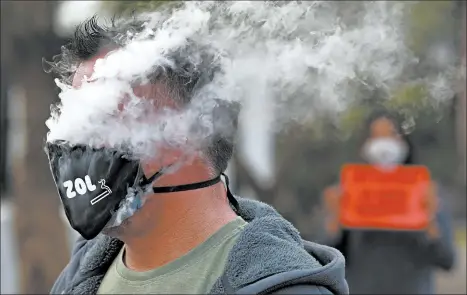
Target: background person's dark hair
column 183, row 79
column 397, row 121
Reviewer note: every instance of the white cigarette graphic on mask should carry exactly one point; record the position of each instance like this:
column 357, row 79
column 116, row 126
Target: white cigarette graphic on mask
column 104, row 194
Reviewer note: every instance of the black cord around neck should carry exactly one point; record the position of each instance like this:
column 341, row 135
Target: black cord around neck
column 186, row 187
column 199, row 185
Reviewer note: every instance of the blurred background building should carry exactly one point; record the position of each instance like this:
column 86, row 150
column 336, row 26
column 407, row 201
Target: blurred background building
column 288, row 170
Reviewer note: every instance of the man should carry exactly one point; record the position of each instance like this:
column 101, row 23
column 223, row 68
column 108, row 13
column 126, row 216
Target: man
column 199, row 239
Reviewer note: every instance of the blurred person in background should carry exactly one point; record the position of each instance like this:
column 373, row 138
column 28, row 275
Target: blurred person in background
column 191, row 235
column 391, row 262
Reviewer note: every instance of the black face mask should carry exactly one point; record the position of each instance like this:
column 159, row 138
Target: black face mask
column 92, row 183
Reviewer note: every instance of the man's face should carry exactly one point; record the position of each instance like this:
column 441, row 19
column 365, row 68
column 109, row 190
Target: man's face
column 155, row 92
column 137, row 224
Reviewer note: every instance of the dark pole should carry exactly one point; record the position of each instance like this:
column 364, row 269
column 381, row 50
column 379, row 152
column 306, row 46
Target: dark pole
column 462, row 105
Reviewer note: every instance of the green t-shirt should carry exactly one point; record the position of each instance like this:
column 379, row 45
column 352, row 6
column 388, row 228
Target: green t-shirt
column 194, row 273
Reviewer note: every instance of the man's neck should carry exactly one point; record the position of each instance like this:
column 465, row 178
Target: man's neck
column 184, row 221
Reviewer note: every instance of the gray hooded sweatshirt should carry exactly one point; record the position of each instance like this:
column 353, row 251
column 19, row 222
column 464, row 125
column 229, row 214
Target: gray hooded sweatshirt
column 269, row 257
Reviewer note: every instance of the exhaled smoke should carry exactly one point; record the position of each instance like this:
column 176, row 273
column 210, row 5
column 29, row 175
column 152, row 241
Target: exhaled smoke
column 302, row 56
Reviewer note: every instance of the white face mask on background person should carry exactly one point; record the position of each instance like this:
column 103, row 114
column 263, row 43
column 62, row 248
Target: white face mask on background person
column 385, row 151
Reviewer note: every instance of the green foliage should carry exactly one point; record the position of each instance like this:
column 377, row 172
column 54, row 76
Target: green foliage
column 411, row 98
column 423, row 18
column 351, row 119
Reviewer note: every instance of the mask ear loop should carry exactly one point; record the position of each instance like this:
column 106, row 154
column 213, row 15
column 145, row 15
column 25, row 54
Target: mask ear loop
column 146, row 181
column 230, row 196
column 198, row 185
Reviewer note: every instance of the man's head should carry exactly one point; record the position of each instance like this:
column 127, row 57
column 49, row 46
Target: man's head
column 172, row 87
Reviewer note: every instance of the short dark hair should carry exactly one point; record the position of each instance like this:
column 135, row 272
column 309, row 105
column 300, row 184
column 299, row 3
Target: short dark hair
column 183, row 79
